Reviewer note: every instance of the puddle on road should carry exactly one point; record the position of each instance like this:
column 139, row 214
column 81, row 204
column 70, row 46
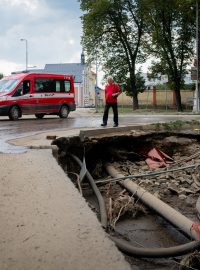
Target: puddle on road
column 8, row 148
column 127, row 216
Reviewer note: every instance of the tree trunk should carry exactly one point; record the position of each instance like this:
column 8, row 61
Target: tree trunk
column 134, row 93
column 135, row 101
column 178, row 99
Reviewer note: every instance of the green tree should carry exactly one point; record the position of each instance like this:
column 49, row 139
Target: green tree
column 114, row 28
column 140, row 84
column 170, row 36
column 1, row 75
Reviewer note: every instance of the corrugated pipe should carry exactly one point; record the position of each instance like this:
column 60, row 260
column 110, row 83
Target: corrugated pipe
column 177, row 219
column 102, row 206
column 176, row 251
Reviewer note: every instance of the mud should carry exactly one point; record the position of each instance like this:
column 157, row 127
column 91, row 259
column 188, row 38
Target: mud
column 128, row 217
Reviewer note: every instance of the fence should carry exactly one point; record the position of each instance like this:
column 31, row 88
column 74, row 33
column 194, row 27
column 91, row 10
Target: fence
column 158, row 98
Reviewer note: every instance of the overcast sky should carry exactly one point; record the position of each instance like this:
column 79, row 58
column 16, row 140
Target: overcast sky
column 52, row 28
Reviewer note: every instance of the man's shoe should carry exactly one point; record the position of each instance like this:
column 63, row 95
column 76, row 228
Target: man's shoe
column 115, row 125
column 103, row 125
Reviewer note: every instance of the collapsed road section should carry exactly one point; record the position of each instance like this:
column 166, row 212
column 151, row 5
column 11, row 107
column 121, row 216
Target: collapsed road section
column 144, row 188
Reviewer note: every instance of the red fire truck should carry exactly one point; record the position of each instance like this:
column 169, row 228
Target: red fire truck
column 36, row 93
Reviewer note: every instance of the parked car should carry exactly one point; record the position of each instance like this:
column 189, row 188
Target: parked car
column 36, row 93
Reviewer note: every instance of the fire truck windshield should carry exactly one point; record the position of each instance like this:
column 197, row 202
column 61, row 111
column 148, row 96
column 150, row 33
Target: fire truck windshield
column 7, row 85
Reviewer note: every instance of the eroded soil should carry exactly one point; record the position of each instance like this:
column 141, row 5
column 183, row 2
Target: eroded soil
column 127, row 216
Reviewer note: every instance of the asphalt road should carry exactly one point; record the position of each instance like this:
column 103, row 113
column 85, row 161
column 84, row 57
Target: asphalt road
column 82, row 118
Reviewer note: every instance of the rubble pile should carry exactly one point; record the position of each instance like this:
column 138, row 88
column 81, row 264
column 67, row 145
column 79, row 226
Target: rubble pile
column 177, row 187
column 175, row 180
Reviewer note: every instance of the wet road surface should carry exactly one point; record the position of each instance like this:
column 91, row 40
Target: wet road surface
column 29, row 125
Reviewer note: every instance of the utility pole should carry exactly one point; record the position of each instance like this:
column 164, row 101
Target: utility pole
column 96, row 86
column 197, row 58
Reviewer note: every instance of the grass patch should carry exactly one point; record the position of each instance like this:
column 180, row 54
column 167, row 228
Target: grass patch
column 176, row 125
column 145, row 110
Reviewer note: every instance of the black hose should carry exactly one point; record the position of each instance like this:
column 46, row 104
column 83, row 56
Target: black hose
column 180, row 250
column 129, row 249
column 126, row 247
column 102, row 207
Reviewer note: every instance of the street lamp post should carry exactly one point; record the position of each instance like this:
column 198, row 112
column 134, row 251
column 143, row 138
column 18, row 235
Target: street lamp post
column 26, row 42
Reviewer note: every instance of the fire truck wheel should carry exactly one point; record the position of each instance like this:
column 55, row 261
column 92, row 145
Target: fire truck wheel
column 14, row 113
column 64, row 111
column 39, row 115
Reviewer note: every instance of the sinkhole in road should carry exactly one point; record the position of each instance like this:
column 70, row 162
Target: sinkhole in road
column 127, row 216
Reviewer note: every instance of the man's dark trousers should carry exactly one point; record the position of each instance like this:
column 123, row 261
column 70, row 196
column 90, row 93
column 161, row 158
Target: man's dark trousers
column 115, row 113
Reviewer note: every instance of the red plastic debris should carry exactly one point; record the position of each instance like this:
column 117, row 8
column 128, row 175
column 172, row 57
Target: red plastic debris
column 157, row 159
column 196, row 228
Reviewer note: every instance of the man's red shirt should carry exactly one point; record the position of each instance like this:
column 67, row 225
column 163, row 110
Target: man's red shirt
column 111, row 89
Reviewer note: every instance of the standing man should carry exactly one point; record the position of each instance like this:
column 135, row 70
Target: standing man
column 112, row 91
